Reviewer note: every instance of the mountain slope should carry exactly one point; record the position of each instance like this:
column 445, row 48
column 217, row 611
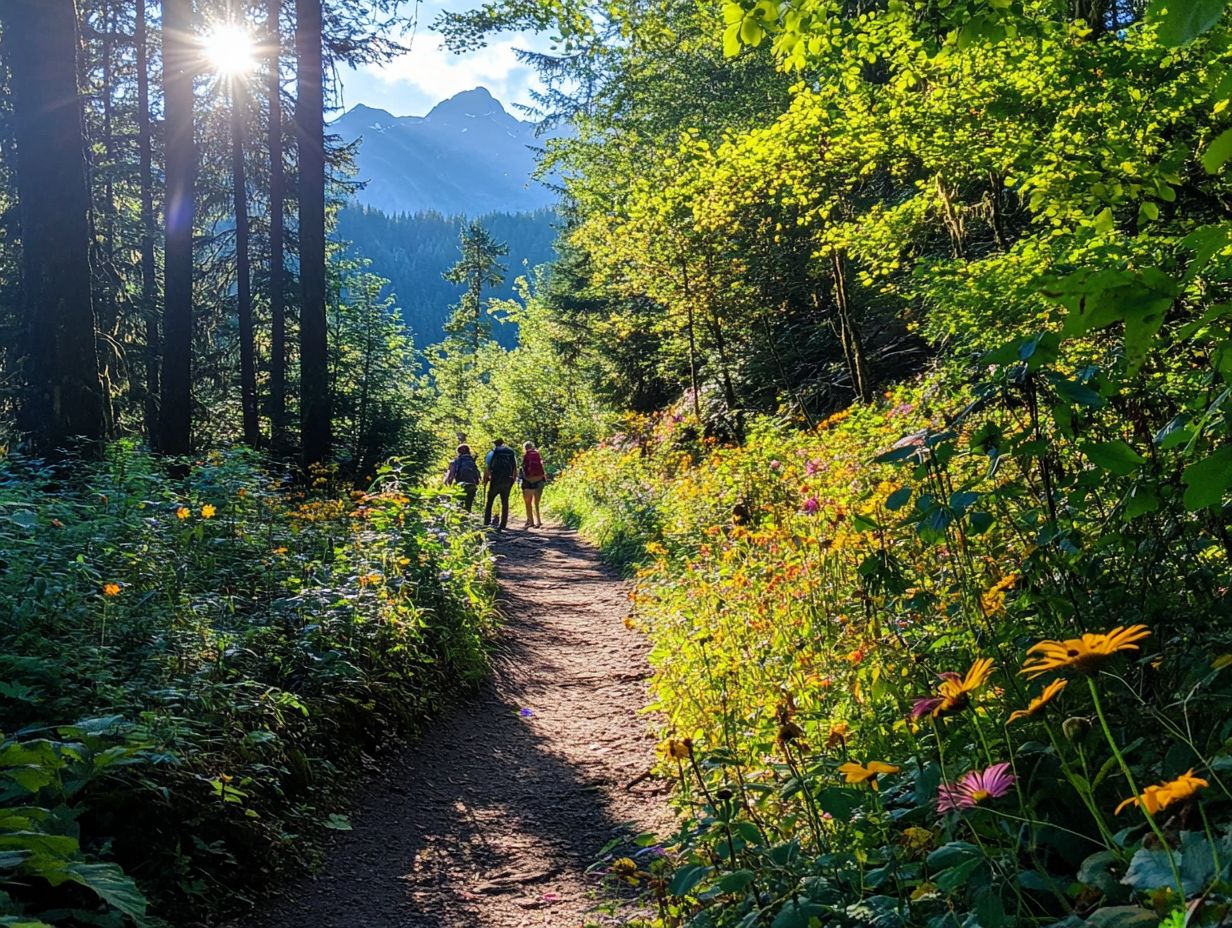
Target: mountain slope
column 468, row 156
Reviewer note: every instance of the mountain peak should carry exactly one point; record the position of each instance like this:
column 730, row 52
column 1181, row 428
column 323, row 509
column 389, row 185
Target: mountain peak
column 477, row 101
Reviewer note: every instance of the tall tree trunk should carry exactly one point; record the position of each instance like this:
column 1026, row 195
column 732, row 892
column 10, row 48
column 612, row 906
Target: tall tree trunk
column 310, row 137
column 175, row 425
column 277, row 206
column 243, row 270
column 149, row 270
column 65, row 389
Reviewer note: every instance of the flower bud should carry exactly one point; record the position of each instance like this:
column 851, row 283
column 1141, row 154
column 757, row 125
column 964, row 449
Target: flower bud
column 1076, row 728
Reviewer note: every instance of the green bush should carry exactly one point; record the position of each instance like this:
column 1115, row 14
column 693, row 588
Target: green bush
column 232, row 644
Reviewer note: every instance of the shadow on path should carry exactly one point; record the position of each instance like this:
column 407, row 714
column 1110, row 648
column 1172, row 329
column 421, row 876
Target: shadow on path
column 493, row 818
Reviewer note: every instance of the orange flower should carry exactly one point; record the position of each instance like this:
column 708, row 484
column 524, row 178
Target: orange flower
column 1155, row 798
column 838, row 734
column 954, row 693
column 183, row 513
column 866, row 773
column 993, row 601
column 1037, row 704
column 111, row 589
column 1086, row 654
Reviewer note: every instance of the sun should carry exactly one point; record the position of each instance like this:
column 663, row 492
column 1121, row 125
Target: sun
column 230, row 50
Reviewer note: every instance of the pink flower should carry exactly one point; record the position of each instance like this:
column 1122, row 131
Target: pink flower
column 813, row 467
column 776, row 465
column 975, row 787
column 811, row 505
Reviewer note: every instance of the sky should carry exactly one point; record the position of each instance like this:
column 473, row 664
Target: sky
column 413, row 83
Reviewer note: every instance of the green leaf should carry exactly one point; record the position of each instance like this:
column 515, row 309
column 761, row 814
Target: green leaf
column 1209, row 479
column 1182, row 21
column 898, row 499
column 796, row 913
column 686, row 878
column 1218, row 152
column 1115, row 456
column 736, row 881
column 839, row 802
column 1122, row 916
column 110, row 884
column 336, row 822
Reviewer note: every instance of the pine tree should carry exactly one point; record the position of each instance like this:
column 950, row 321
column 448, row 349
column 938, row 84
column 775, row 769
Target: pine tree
column 478, row 267
column 65, row 393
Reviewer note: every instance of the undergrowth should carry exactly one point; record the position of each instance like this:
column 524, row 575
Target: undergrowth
column 191, row 672
column 937, row 665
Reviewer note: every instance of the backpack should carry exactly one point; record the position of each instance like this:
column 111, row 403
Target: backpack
column 467, row 470
column 532, row 467
column 504, row 466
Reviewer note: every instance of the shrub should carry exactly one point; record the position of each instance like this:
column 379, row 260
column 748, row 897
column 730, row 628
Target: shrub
column 233, row 646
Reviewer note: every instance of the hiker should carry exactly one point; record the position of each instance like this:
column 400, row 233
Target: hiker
column 464, row 472
column 500, row 473
column 534, row 478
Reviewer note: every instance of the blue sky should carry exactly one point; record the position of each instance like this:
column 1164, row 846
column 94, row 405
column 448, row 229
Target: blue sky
column 413, row 83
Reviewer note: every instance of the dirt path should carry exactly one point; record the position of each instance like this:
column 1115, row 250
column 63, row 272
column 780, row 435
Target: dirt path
column 492, row 820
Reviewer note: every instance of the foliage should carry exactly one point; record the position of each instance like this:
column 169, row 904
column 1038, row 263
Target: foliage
column 233, row 646
column 808, row 592
column 413, row 251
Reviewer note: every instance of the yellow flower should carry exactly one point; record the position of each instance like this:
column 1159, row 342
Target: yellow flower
column 208, row 511
column 111, row 589
column 993, row 601
column 183, row 513
column 916, row 838
column 677, row 750
column 1161, row 796
column 1038, row 703
column 1086, row 654
column 626, row 869
column 866, row 773
column 955, row 692
column 839, row 732
column 280, row 550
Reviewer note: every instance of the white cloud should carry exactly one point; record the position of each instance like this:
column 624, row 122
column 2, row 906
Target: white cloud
column 431, row 72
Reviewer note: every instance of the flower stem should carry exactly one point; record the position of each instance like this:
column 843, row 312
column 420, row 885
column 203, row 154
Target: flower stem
column 1133, row 785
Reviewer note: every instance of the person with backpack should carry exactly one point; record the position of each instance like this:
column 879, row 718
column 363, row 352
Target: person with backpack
column 500, row 473
column 534, row 479
column 464, row 472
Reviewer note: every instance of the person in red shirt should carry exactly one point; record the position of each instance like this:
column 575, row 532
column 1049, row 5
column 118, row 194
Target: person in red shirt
column 534, row 478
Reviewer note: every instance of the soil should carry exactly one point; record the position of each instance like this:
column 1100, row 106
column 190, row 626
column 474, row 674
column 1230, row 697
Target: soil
column 495, row 817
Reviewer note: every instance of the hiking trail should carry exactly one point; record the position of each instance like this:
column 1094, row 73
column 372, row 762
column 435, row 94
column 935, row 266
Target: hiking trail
column 492, row 818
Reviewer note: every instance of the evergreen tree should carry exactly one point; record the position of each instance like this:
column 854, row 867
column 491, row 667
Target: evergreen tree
column 479, row 267
column 65, row 393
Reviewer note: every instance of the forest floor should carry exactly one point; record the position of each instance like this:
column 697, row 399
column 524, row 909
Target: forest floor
column 493, row 818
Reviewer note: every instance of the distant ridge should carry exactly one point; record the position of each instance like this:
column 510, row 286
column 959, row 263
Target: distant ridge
column 467, row 156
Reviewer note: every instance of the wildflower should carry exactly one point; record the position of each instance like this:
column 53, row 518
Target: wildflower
column 916, row 838
column 838, row 734
column 789, row 731
column 866, row 773
column 1161, row 796
column 208, row 511
column 993, row 601
column 1037, row 704
column 183, row 513
column 280, row 550
column 811, row 505
column 625, row 868
column 955, row 692
column 111, row 589
column 526, row 713
column 1086, row 654
column 677, row 750
column 975, row 787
